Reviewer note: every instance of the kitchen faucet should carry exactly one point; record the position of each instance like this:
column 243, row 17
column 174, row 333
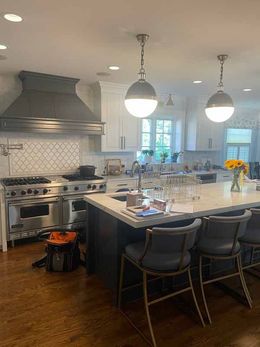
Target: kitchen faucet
column 135, row 166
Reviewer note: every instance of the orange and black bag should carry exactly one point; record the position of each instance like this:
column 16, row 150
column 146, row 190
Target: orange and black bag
column 62, row 250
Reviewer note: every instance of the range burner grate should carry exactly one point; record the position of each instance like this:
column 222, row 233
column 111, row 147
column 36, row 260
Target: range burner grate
column 18, row 181
column 77, row 177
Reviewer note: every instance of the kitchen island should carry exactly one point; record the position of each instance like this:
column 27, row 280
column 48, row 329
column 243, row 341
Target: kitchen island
column 109, row 229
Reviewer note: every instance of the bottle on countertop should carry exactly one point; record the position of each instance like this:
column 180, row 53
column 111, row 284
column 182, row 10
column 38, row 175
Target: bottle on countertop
column 207, row 165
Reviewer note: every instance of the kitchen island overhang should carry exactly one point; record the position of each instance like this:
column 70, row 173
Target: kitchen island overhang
column 109, row 230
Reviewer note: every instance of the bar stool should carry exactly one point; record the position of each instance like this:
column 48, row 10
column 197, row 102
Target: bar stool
column 219, row 241
column 164, row 253
column 251, row 238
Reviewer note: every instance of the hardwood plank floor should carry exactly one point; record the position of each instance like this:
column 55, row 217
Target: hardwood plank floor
column 70, row 309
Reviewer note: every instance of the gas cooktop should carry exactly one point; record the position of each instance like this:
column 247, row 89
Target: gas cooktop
column 20, row 181
column 77, row 177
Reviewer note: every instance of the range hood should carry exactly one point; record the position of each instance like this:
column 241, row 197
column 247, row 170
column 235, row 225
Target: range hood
column 49, row 104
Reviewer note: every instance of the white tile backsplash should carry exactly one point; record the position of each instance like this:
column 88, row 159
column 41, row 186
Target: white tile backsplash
column 44, row 154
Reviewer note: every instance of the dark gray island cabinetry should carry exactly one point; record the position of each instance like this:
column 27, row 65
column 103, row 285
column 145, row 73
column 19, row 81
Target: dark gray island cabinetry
column 109, row 230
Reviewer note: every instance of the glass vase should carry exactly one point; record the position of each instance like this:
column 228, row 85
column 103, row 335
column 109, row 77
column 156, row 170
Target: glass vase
column 235, row 187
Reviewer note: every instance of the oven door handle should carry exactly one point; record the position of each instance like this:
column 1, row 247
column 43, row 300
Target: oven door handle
column 70, row 197
column 33, row 202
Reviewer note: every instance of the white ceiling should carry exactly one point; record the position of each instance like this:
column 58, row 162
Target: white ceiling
column 79, row 38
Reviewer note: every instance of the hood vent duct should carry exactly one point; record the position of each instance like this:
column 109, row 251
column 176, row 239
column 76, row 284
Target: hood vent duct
column 49, row 104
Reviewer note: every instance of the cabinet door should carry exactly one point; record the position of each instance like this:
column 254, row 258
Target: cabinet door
column 209, row 134
column 111, row 114
column 204, row 133
column 130, row 130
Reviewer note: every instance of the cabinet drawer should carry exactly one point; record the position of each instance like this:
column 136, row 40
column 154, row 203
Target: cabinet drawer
column 114, row 186
column 222, row 177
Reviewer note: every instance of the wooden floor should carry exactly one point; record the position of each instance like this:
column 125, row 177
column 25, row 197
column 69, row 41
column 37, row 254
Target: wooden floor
column 70, row 309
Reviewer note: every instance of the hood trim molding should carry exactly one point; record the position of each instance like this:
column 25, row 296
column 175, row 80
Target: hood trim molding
column 51, row 126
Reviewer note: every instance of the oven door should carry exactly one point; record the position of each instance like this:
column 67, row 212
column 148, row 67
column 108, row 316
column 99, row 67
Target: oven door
column 33, row 214
column 73, row 209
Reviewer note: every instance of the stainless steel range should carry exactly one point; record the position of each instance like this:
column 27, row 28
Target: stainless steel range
column 36, row 203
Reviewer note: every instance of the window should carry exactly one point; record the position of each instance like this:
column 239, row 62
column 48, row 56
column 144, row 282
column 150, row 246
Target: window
column 238, row 143
column 158, row 135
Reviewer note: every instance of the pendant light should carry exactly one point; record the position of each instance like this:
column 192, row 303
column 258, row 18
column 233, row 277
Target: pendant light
column 140, row 99
column 220, row 106
column 170, row 101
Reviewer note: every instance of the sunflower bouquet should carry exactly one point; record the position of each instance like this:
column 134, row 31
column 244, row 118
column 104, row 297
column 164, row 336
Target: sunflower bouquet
column 239, row 168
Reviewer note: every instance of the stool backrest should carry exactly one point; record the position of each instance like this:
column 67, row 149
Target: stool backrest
column 172, row 240
column 233, row 227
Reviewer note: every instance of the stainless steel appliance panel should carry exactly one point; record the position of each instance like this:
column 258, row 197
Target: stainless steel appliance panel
column 33, row 214
column 207, row 178
column 73, row 209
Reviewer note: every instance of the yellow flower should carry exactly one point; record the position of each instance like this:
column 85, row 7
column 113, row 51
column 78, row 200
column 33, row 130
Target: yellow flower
column 240, row 163
column 230, row 164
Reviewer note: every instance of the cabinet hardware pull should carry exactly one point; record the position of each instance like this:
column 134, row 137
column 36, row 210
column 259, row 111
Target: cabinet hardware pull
column 121, row 142
column 124, row 142
column 121, row 184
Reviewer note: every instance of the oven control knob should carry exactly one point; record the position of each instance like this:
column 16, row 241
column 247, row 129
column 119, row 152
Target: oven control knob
column 36, row 191
column 89, row 186
column 23, row 192
column 76, row 188
column 65, row 188
column 45, row 191
column 101, row 186
column 13, row 193
column 29, row 191
column 94, row 187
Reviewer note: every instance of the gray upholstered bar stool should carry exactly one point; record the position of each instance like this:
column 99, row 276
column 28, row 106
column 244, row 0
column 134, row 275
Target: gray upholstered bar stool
column 165, row 252
column 251, row 238
column 219, row 241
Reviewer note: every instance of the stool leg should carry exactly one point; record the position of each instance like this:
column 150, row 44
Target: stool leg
column 195, row 299
column 147, row 308
column 121, row 279
column 252, row 256
column 202, row 290
column 242, row 280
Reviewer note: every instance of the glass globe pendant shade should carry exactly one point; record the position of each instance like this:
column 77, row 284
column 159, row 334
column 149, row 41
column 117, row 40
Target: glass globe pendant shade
column 141, row 100
column 219, row 107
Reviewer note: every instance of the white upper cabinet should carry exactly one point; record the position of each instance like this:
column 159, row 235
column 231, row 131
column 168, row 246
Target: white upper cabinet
column 201, row 133
column 121, row 129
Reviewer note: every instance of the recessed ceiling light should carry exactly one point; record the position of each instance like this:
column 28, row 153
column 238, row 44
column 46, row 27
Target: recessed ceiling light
column 247, row 89
column 3, row 46
column 114, row 67
column 12, row 17
column 197, row 82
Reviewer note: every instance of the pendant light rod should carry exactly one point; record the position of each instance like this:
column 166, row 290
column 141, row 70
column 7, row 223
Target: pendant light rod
column 221, row 58
column 142, row 38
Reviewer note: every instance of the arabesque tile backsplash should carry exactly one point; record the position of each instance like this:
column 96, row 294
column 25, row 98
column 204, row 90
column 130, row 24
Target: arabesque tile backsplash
column 45, row 154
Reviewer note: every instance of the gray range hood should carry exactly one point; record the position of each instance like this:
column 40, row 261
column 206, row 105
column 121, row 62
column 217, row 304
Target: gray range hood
column 49, row 104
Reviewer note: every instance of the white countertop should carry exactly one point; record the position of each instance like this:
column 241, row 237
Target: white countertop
column 214, row 198
column 128, row 177
column 120, row 177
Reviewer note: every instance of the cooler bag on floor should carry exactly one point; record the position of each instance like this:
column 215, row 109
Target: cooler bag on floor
column 62, row 250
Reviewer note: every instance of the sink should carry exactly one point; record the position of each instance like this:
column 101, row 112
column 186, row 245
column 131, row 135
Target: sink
column 124, row 197
column 119, row 197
